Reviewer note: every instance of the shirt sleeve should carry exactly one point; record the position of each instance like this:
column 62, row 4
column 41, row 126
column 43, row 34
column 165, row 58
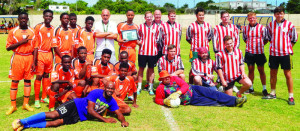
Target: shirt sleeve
column 180, row 64
column 140, row 34
column 293, row 34
column 215, row 40
column 37, row 39
column 181, row 83
column 219, row 64
column 160, row 95
column 244, row 34
column 54, row 76
column 10, row 39
column 210, row 33
column 189, row 34
column 269, row 32
column 241, row 58
column 194, row 70
column 113, row 106
column 265, row 34
column 237, row 37
column 160, row 64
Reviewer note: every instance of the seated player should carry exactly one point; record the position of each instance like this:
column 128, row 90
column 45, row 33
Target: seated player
column 62, row 82
column 101, row 68
column 82, row 69
column 80, row 109
column 124, row 84
column 230, row 68
column 202, row 69
column 171, row 63
column 123, row 57
column 173, row 87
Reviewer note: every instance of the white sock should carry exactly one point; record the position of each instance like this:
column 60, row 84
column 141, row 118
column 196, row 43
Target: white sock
column 150, row 86
column 291, row 95
column 251, row 87
column 273, row 92
column 264, row 87
column 139, row 86
column 235, row 89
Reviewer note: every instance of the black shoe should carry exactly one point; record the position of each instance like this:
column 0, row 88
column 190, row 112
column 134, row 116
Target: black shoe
column 265, row 92
column 251, row 91
column 291, row 101
column 146, row 87
column 240, row 101
column 270, row 96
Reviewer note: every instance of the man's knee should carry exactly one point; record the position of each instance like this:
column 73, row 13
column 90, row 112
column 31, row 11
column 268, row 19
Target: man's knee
column 82, row 83
column 125, row 109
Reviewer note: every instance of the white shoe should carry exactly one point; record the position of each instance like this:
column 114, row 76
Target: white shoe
column 235, row 89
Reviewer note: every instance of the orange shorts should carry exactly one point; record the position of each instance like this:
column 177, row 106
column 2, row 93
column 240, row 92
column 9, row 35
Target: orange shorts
column 131, row 53
column 45, row 63
column 58, row 59
column 20, row 67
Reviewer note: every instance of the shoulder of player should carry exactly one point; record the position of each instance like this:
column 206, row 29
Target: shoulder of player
column 74, row 61
column 38, row 25
column 121, row 23
column 96, row 61
column 57, row 66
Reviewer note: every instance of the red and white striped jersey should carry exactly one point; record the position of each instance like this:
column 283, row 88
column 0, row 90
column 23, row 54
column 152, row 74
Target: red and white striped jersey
column 148, row 36
column 201, row 68
column 281, row 36
column 230, row 64
column 170, row 34
column 220, row 31
column 199, row 35
column 170, row 65
column 254, row 37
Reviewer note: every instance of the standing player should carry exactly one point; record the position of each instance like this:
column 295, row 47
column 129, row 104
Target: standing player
column 148, row 35
column 85, row 37
column 106, row 33
column 126, row 45
column 63, row 39
column 230, row 68
column 21, row 41
column 282, row 36
column 74, row 28
column 43, row 57
column 255, row 38
column 170, row 33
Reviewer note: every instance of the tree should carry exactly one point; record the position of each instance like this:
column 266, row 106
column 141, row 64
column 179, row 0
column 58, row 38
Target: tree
column 293, row 6
column 169, row 6
column 204, row 5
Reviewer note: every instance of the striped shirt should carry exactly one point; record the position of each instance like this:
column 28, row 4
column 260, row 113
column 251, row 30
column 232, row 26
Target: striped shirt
column 220, row 31
column 203, row 68
column 254, row 37
column 148, row 36
column 199, row 35
column 281, row 36
column 230, row 64
column 170, row 34
column 170, row 65
column 159, row 43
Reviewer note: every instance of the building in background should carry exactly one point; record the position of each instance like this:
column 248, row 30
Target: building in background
column 254, row 4
column 59, row 8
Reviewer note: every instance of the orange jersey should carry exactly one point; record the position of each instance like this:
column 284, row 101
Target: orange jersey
column 15, row 35
column 63, row 39
column 77, row 66
column 44, row 36
column 74, row 30
column 98, row 68
column 131, row 68
column 122, row 27
column 86, row 39
column 123, row 86
column 59, row 74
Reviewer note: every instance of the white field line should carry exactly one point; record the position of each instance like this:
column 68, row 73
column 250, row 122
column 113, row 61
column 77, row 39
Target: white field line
column 170, row 119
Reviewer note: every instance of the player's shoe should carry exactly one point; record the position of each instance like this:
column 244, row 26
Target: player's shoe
column 146, row 87
column 151, row 92
column 235, row 89
column 51, row 109
column 37, row 104
column 138, row 91
column 265, row 92
column 45, row 100
column 16, row 124
column 291, row 101
column 130, row 98
column 239, row 95
column 240, row 101
column 250, row 91
column 270, row 96
column 27, row 107
column 11, row 110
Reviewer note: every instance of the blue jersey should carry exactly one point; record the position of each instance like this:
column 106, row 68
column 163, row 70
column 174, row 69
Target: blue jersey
column 101, row 103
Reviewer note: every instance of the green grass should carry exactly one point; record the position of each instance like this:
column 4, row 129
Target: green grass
column 256, row 114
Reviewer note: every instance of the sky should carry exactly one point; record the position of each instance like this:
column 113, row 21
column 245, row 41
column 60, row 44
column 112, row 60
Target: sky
column 177, row 3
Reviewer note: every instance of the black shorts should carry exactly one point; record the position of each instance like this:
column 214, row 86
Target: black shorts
column 231, row 84
column 251, row 59
column 144, row 59
column 68, row 112
column 284, row 61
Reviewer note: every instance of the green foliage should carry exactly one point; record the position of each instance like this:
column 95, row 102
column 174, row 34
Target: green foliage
column 293, row 6
column 204, row 5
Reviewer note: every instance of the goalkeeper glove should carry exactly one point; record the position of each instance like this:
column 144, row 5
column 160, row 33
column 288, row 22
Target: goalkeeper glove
column 167, row 102
column 175, row 95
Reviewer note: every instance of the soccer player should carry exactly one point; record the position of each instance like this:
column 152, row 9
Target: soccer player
column 126, row 45
column 62, row 82
column 74, row 27
column 225, row 29
column 43, row 57
column 230, row 68
column 123, row 58
column 101, row 68
column 202, row 69
column 171, row 63
column 173, row 87
column 63, row 39
column 255, row 38
column 157, row 20
column 80, row 109
column 124, row 85
column 106, row 33
column 148, row 35
column 85, row 37
column 21, row 41
column 170, row 33
column 282, row 35
column 82, row 70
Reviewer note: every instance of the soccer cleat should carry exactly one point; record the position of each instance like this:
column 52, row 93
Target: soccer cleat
column 235, row 89
column 270, row 96
column 291, row 101
column 265, row 92
column 46, row 100
column 37, row 104
column 240, row 101
column 130, row 98
column 16, row 124
column 151, row 92
column 51, row 109
column 11, row 110
column 27, row 107
column 146, row 87
column 238, row 94
column 138, row 91
column 250, row 91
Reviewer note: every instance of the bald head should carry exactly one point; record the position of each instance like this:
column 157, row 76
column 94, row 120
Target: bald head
column 105, row 16
column 109, row 88
column 157, row 16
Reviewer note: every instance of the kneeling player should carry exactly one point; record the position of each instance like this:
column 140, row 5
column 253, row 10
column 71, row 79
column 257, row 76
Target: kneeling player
column 62, row 79
column 80, row 109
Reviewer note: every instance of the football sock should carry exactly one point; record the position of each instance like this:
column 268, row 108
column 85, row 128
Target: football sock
column 35, row 121
column 251, row 87
column 46, row 84
column 13, row 93
column 52, row 99
column 264, row 87
column 78, row 90
column 150, row 86
column 27, row 89
column 37, row 86
column 139, row 86
column 291, row 95
column 273, row 92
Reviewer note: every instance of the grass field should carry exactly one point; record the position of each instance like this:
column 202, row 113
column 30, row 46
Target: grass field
column 256, row 114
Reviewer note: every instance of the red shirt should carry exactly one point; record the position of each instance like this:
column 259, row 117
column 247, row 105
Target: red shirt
column 148, row 36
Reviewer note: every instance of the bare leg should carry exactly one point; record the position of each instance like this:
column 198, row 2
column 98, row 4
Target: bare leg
column 289, row 80
column 273, row 79
column 262, row 75
column 246, row 84
column 197, row 80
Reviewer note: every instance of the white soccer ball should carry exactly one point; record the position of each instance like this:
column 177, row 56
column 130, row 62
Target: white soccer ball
column 175, row 103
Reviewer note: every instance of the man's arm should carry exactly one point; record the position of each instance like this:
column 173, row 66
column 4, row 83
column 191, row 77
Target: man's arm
column 112, row 36
column 84, row 68
column 16, row 45
column 160, row 95
column 121, row 118
column 176, row 73
column 57, row 52
column 102, row 34
column 189, row 35
column 92, row 112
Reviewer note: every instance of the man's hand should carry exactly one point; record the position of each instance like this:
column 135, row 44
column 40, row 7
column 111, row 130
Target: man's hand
column 211, row 77
column 244, row 76
column 25, row 40
column 139, row 43
column 125, row 124
column 110, row 120
column 173, row 74
column 167, row 102
column 135, row 105
column 224, row 84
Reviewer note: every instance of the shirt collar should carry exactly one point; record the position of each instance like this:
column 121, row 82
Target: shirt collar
column 168, row 59
column 254, row 25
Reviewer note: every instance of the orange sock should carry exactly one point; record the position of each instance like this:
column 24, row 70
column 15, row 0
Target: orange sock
column 78, row 90
column 13, row 93
column 27, row 89
column 46, row 84
column 37, row 87
column 52, row 99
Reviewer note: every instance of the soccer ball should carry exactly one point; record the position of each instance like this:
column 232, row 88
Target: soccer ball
column 175, row 103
